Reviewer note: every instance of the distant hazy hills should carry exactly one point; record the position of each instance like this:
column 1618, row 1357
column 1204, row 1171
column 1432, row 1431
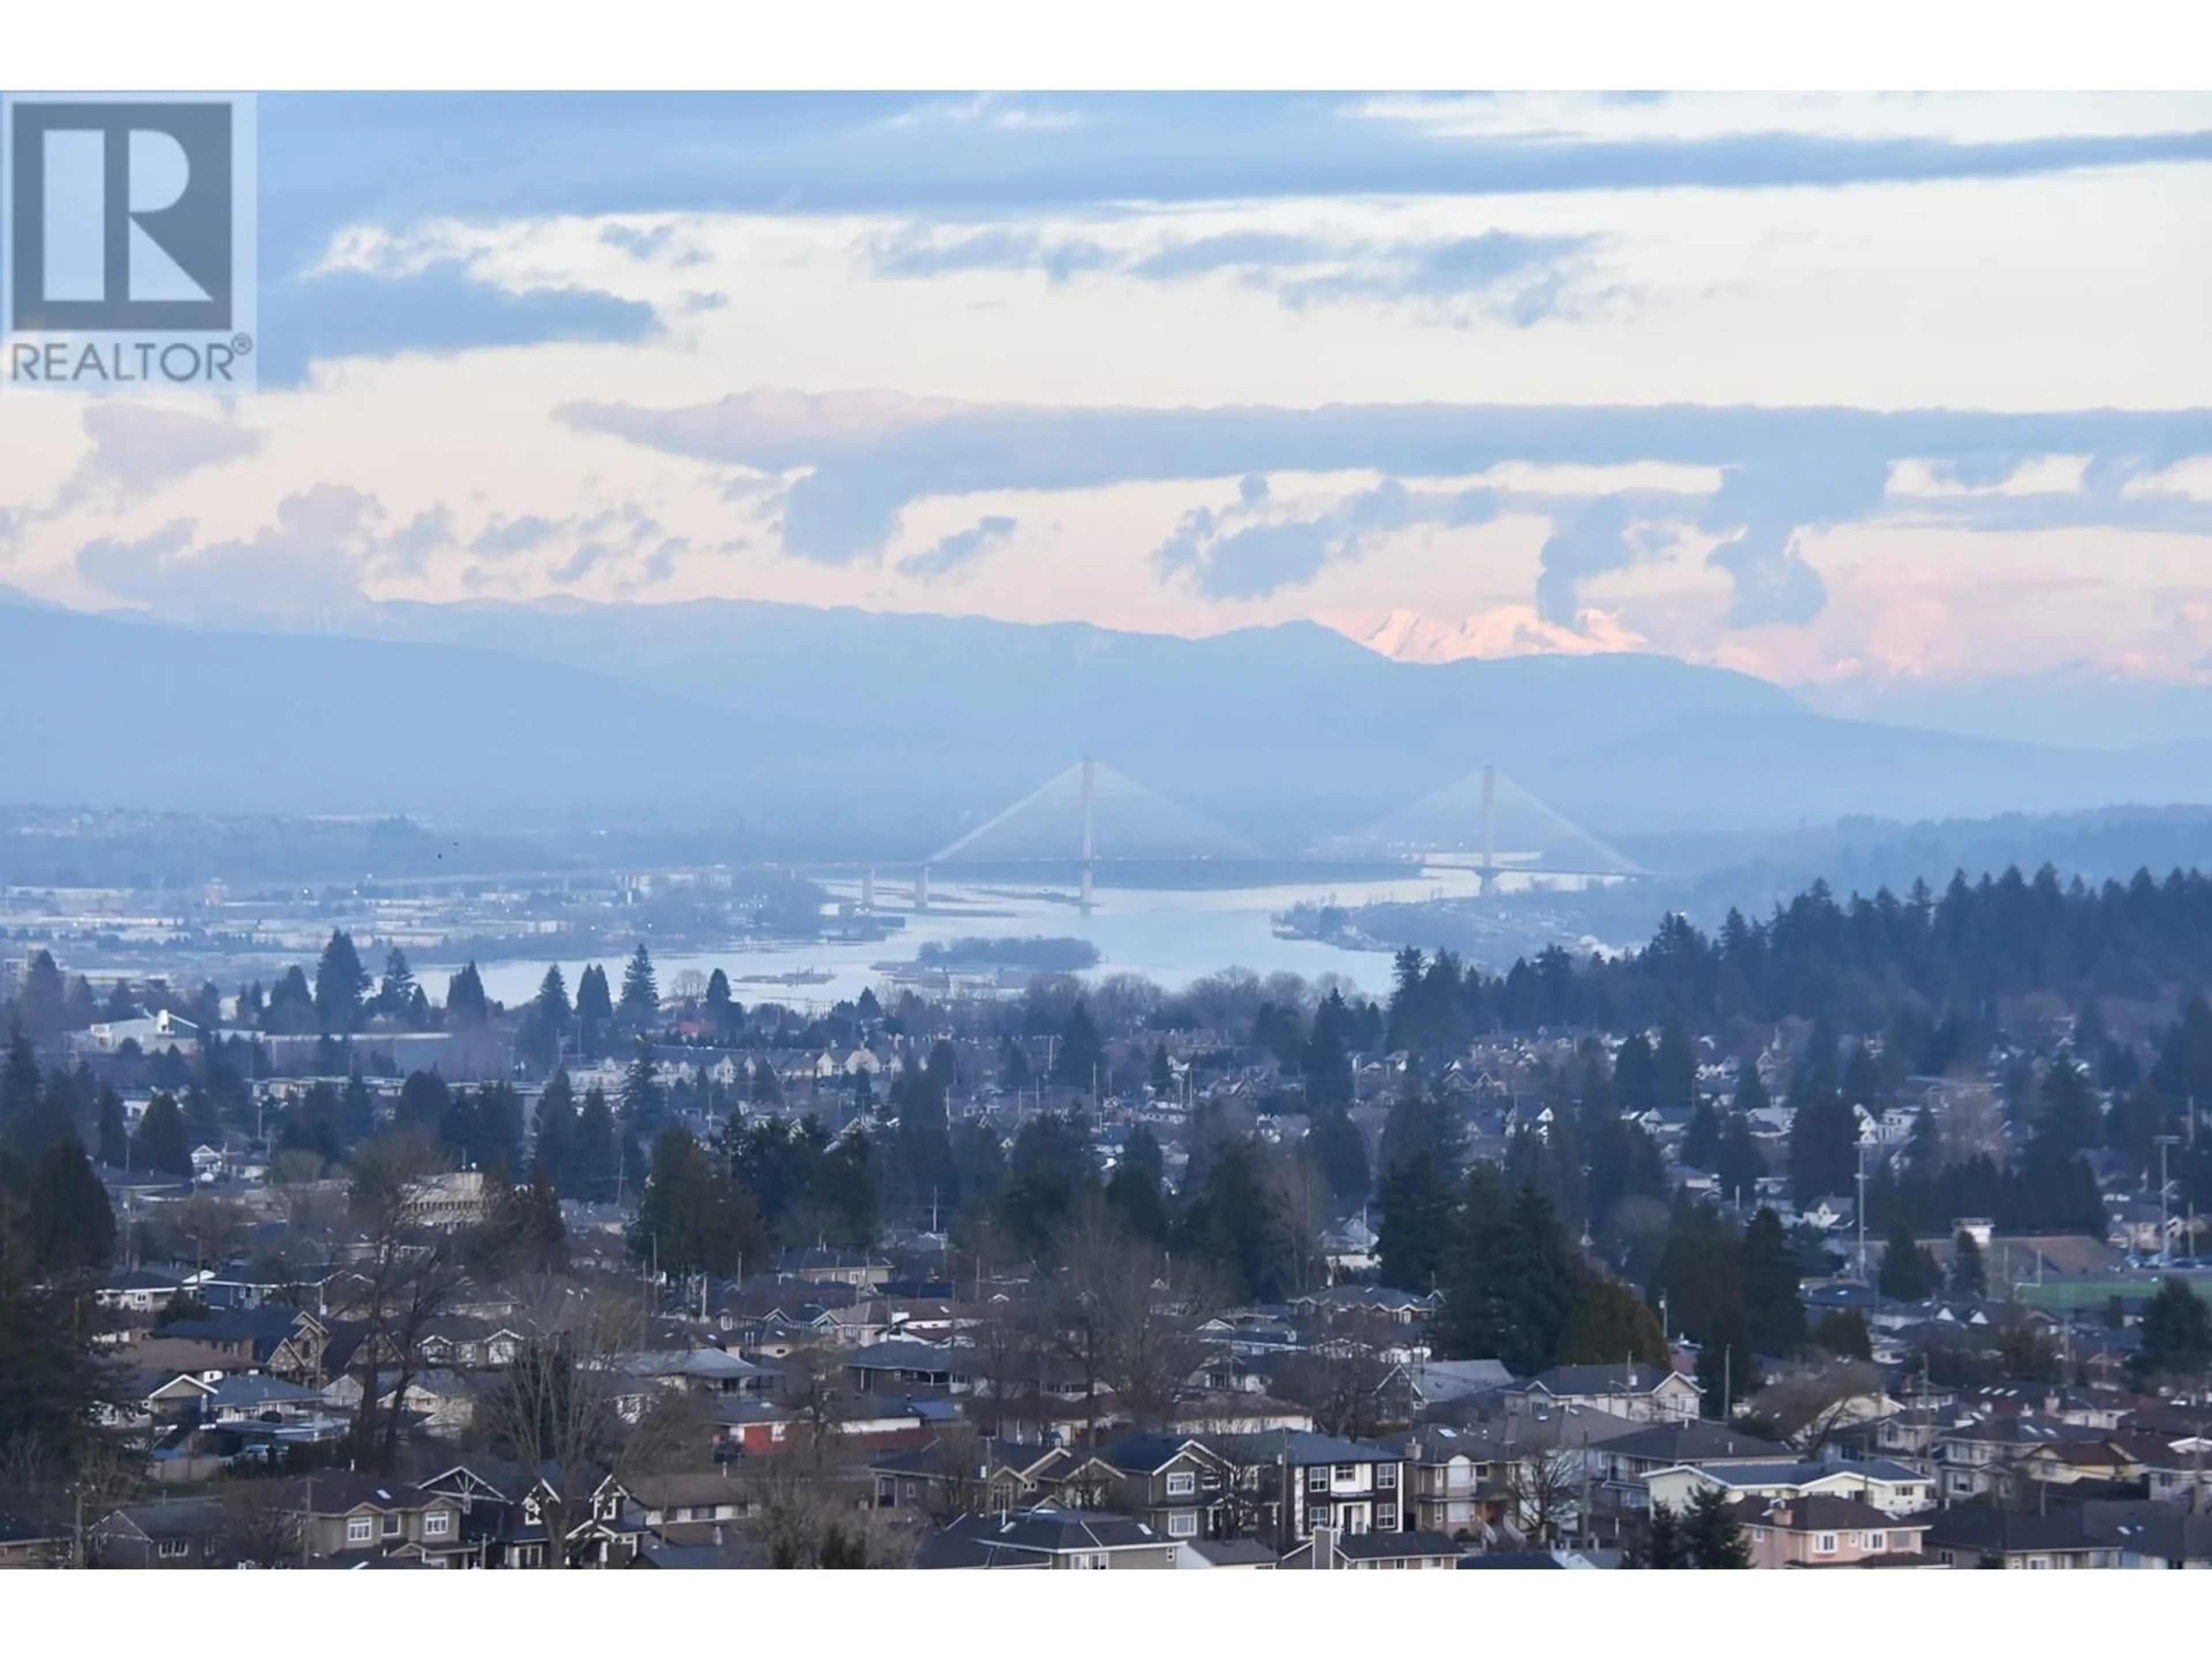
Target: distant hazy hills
column 853, row 732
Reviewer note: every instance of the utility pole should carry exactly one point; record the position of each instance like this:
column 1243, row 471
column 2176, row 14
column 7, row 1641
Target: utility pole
column 2165, row 1241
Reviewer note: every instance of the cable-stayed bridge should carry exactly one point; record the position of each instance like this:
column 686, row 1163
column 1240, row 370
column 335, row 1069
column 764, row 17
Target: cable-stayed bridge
column 1490, row 823
column 1089, row 815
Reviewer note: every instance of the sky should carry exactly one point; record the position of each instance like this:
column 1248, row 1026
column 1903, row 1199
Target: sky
column 1836, row 389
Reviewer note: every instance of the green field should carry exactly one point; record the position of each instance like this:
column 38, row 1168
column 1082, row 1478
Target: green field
column 2066, row 1295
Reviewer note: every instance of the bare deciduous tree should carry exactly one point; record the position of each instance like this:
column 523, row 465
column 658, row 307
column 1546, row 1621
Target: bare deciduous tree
column 560, row 1405
column 408, row 1273
column 1810, row 1408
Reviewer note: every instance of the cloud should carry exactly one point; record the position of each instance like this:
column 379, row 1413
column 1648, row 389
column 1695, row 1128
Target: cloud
column 1235, row 554
column 955, row 552
column 1784, row 470
column 441, row 310
column 331, row 161
column 426, row 533
column 139, row 447
column 1593, row 545
column 587, row 557
column 1528, row 279
column 1000, row 249
column 503, row 536
column 1531, row 279
column 309, row 560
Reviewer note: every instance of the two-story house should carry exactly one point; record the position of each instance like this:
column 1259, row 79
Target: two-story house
column 1178, row 1485
column 1047, row 1538
column 1641, row 1393
column 348, row 1514
column 1619, row 1466
column 1295, row 1481
column 1824, row 1531
column 184, row 1532
column 1890, row 1487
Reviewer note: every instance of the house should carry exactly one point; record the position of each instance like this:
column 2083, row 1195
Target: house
column 345, row 1514
column 687, row 1511
column 1981, row 1455
column 941, row 1480
column 1622, row 1464
column 1047, row 1538
column 1443, row 1381
column 863, row 1270
column 1979, row 1535
column 1242, row 1554
column 901, row 1365
column 1890, row 1487
column 258, row 1400
column 1641, row 1393
column 1444, row 1472
column 1825, row 1531
column 505, row 1510
column 27, row 1544
column 1176, row 1485
column 187, row 1532
column 1375, row 1551
column 137, row 1289
column 1292, row 1481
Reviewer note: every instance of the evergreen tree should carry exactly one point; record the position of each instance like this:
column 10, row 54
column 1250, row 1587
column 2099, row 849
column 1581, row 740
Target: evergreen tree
column 694, row 1218
column 1824, row 1149
column 640, row 992
column 1665, row 1550
column 395, row 991
column 2070, row 1122
column 1908, row 1273
column 643, row 1100
column 1773, row 1307
column 1049, row 1169
column 291, row 1009
column 72, row 1225
column 2177, row 1337
column 598, row 1163
column 114, row 1148
column 162, row 1144
column 522, row 1233
column 556, row 1131
column 467, row 1006
column 1607, row 1323
column 1416, row 1223
column 1133, row 1191
column 847, row 1194
column 1340, row 1151
column 1727, row 1366
column 1710, row 1535
column 1969, row 1275
column 1701, row 1141
column 1081, row 1056
column 724, row 1016
column 340, row 983
column 1741, row 1165
column 595, row 1011
column 1842, row 1334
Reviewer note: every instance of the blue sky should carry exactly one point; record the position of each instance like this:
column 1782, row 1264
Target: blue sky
column 1830, row 388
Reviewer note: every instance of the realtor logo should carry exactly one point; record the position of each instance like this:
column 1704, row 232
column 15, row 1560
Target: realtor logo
column 129, row 256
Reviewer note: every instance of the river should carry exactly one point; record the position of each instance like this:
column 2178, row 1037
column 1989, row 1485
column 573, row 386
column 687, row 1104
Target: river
column 1170, row 937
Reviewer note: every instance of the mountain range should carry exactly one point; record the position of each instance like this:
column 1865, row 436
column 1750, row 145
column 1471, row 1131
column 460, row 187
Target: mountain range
column 799, row 731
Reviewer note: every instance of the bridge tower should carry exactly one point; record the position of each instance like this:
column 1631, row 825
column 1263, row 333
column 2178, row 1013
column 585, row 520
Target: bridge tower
column 868, row 891
column 1489, row 866
column 1090, row 829
column 921, row 889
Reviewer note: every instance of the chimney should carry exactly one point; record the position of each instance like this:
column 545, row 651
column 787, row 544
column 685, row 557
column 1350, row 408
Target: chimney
column 1324, row 1547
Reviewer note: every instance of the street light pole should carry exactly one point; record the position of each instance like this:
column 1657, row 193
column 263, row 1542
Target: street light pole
column 2165, row 1240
